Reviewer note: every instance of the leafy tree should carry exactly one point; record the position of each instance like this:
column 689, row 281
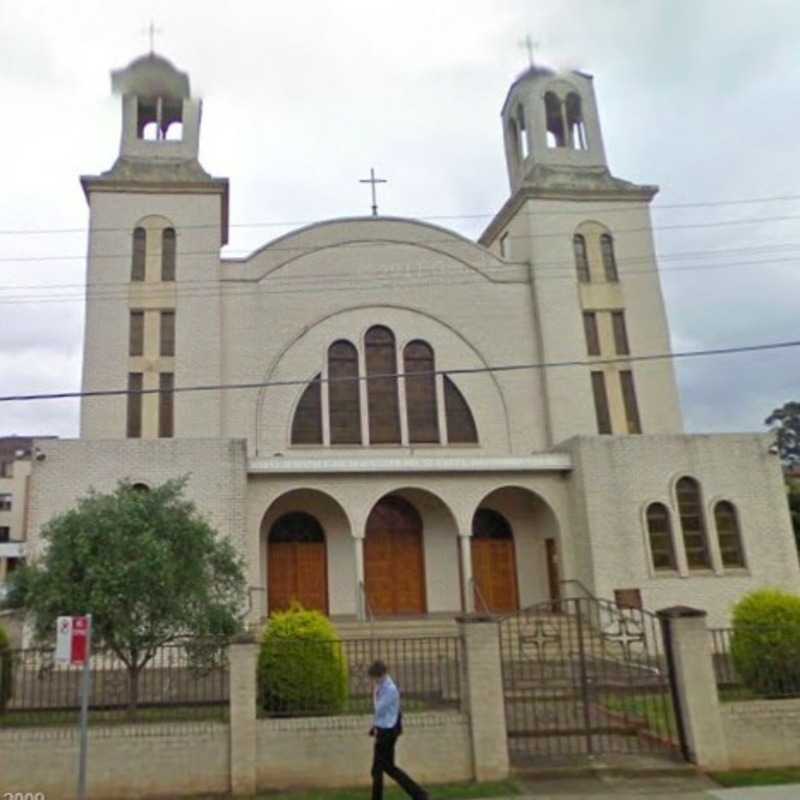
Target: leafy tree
column 785, row 421
column 146, row 565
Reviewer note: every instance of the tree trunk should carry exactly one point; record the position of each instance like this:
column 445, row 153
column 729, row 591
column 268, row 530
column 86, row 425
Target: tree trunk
column 133, row 690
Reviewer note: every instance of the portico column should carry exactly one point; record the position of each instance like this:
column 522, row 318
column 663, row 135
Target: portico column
column 358, row 549
column 465, row 546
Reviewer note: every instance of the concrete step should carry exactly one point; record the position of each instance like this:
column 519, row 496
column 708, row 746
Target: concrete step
column 434, row 627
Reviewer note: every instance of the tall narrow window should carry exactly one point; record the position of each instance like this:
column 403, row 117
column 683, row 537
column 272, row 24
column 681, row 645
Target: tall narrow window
column 620, row 333
column 592, row 336
column 659, row 531
column 629, row 399
column 343, row 393
column 609, row 260
column 307, row 422
column 423, row 417
column 523, row 133
column 166, row 404
column 168, row 254
column 460, row 422
column 575, row 126
column 384, row 407
column 730, row 537
column 690, row 507
column 134, row 424
column 581, row 261
column 139, row 248
column 167, row 343
column 504, row 245
column 556, row 136
column 601, row 402
column 136, row 337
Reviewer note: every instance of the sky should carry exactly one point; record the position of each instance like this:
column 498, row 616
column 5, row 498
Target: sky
column 301, row 99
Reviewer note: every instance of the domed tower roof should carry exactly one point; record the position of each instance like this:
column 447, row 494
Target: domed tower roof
column 151, row 75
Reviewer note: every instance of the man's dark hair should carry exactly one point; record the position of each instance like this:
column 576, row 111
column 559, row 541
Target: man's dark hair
column 377, row 669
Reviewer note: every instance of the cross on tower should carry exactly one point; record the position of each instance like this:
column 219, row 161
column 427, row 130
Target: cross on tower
column 530, row 46
column 373, row 180
column 151, row 31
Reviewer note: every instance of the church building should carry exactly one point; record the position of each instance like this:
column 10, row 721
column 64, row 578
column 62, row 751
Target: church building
column 391, row 420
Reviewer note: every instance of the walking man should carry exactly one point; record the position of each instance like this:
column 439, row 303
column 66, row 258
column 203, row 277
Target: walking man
column 387, row 727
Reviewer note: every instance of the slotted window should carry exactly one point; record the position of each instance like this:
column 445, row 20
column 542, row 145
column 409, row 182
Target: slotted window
column 166, row 404
column 575, row 126
column 168, row 254
column 136, row 338
column 5, row 501
column 581, row 261
column 601, row 402
column 460, row 422
column 629, row 400
column 592, row 335
column 167, row 343
column 609, row 259
column 134, row 421
column 384, row 406
column 690, row 507
column 423, row 417
column 555, row 121
column 307, row 422
column 730, row 537
column 139, row 251
column 621, row 344
column 659, row 531
column 343, row 393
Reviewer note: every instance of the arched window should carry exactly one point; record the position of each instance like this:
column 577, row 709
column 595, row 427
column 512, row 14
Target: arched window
column 522, row 134
column 296, row 526
column 343, row 393
column 581, row 261
column 168, row 254
column 460, row 423
column 141, row 488
column 659, row 532
column 420, row 381
column 307, row 422
column 139, row 249
column 609, row 260
column 555, row 121
column 730, row 537
column 575, row 127
column 690, row 507
column 383, row 405
column 488, row 524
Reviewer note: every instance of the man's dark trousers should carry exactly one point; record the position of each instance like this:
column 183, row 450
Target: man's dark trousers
column 383, row 761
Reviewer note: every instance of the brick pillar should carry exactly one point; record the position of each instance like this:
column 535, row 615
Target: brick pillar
column 695, row 684
column 483, row 692
column 242, row 656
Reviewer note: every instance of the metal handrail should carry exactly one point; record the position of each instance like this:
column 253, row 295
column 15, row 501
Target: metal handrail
column 477, row 592
column 365, row 601
column 582, row 586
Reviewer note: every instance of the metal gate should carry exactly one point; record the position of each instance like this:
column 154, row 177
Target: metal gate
column 584, row 677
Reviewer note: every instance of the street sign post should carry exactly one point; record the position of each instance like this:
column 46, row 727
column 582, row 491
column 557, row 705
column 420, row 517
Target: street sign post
column 74, row 647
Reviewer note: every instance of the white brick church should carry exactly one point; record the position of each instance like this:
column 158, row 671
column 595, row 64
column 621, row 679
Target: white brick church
column 372, row 465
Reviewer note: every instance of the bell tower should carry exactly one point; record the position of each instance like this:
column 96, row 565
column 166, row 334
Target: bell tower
column 550, row 119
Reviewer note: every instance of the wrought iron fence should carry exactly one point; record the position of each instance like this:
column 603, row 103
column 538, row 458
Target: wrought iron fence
column 766, row 666
column 321, row 678
column 186, row 680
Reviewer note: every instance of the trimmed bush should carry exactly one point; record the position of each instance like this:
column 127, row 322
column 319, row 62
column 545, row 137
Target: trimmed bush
column 766, row 642
column 6, row 682
column 301, row 665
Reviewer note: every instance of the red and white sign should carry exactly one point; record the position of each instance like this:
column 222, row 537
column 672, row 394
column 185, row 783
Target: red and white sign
column 72, row 639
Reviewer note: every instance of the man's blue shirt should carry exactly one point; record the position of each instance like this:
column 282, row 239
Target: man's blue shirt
column 387, row 704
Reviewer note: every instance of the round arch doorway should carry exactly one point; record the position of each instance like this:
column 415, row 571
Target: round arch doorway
column 494, row 563
column 297, row 563
column 394, row 563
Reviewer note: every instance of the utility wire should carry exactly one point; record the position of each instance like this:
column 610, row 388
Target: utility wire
column 718, row 351
column 622, row 207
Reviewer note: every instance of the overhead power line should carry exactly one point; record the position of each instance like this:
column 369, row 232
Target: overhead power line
column 622, row 207
column 718, row 351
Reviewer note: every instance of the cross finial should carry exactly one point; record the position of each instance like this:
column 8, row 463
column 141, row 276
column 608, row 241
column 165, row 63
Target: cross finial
column 151, row 31
column 530, row 46
column 373, row 180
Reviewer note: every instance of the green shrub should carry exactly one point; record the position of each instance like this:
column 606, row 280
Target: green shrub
column 6, row 682
column 766, row 642
column 301, row 665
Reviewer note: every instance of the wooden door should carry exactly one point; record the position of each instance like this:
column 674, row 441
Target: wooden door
column 494, row 566
column 297, row 568
column 393, row 559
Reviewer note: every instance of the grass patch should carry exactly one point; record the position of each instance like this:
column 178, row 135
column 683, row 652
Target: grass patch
column 36, row 719
column 757, row 777
column 656, row 712
column 445, row 791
